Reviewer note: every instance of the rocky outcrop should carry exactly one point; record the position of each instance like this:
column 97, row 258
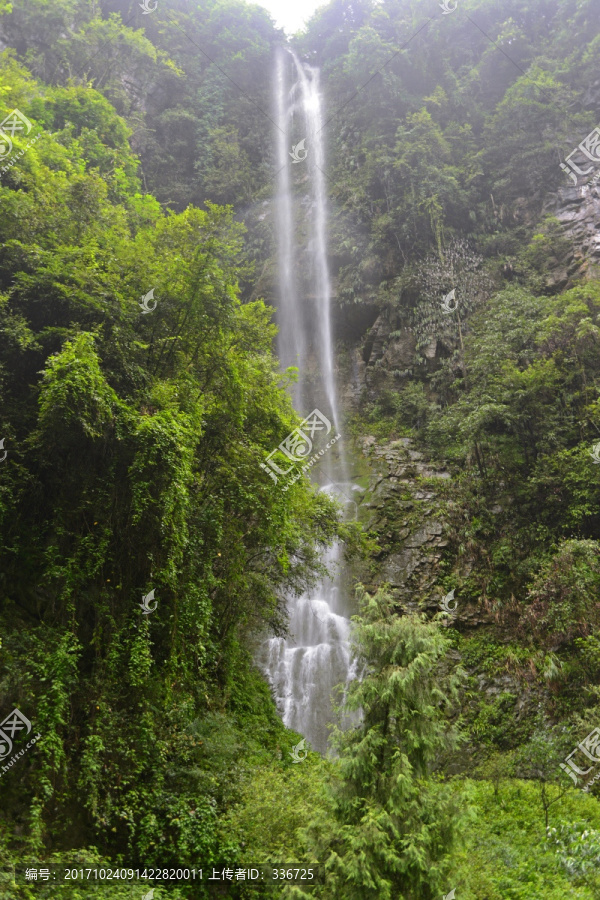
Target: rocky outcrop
column 388, row 352
column 395, row 353
column 388, row 356
column 376, row 339
column 403, row 506
column 401, row 509
column 578, row 211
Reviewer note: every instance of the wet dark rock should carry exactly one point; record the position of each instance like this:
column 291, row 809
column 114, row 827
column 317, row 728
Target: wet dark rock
column 417, row 540
column 375, row 340
column 434, row 528
column 577, row 208
column 398, row 567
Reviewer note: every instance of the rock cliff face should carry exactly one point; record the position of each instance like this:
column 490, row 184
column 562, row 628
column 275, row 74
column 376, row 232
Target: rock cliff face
column 407, row 500
column 399, row 505
column 385, row 361
column 578, row 211
column 381, row 361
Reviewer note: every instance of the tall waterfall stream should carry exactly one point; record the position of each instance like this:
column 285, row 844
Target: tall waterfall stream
column 304, row 668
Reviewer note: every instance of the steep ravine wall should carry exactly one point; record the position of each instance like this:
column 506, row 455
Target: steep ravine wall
column 408, row 502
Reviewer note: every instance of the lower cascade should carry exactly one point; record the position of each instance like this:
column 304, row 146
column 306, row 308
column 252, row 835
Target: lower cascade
column 305, row 668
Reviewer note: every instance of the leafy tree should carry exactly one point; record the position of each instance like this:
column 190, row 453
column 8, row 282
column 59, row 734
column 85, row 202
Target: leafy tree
column 394, row 821
column 540, row 760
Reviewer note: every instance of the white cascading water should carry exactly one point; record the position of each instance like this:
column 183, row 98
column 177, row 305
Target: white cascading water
column 304, row 668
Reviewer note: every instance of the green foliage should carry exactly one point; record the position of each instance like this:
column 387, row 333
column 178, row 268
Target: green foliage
column 493, row 720
column 392, row 823
column 135, row 442
column 565, row 592
column 521, row 422
column 76, row 404
column 505, row 853
column 578, row 849
column 540, row 759
column 274, row 805
column 398, row 412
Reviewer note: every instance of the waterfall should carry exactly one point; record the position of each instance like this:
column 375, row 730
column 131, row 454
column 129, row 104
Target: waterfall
column 292, row 346
column 304, row 668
